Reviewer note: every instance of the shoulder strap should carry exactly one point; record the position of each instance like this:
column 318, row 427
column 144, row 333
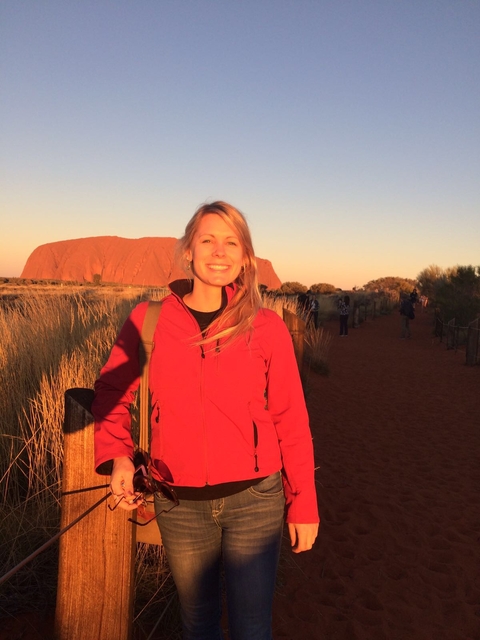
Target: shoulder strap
column 145, row 352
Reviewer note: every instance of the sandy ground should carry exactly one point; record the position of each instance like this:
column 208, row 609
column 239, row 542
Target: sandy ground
column 396, row 427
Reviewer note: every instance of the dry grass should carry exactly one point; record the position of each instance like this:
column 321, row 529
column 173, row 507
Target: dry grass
column 279, row 303
column 317, row 346
column 50, row 341
column 317, row 341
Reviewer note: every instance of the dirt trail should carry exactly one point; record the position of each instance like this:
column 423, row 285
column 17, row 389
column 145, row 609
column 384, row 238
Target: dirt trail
column 397, row 437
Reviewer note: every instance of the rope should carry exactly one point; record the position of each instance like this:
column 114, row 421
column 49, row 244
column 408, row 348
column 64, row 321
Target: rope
column 99, row 486
column 47, row 544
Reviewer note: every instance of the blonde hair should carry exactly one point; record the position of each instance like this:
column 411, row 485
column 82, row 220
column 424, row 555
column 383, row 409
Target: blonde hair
column 239, row 315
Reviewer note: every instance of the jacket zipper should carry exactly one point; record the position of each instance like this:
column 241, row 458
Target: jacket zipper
column 255, row 444
column 204, row 422
column 202, row 394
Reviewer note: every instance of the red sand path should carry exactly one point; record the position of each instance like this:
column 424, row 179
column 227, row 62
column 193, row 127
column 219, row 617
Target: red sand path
column 396, row 427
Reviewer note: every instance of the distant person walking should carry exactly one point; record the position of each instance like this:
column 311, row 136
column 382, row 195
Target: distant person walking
column 313, row 310
column 407, row 313
column 344, row 308
column 302, row 305
column 414, row 297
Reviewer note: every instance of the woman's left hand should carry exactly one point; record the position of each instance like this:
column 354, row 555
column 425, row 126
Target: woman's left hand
column 302, row 536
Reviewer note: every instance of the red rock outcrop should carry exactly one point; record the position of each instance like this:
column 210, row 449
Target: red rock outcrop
column 142, row 261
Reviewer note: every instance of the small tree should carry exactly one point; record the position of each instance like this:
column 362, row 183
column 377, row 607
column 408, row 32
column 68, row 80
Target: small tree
column 391, row 283
column 323, row 287
column 291, row 288
column 458, row 294
column 97, row 279
column 429, row 280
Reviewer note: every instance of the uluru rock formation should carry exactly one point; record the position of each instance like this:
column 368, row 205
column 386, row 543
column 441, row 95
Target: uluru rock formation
column 142, row 261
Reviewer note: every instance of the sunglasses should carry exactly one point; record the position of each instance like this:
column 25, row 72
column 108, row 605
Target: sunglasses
column 144, row 485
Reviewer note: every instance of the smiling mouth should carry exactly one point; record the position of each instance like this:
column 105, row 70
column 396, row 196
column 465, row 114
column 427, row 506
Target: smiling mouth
column 218, row 267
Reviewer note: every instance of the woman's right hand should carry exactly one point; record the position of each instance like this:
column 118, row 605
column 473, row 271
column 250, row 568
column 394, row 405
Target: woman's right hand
column 121, row 484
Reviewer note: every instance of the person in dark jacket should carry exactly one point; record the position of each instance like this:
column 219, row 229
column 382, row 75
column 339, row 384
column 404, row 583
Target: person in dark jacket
column 344, row 309
column 414, row 297
column 229, row 427
column 303, row 303
column 313, row 310
column 407, row 313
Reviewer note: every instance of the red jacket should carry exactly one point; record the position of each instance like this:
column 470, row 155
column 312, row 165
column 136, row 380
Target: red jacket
column 216, row 417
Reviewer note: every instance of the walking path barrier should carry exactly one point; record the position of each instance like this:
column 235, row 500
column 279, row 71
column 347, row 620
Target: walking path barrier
column 296, row 327
column 96, row 558
column 456, row 336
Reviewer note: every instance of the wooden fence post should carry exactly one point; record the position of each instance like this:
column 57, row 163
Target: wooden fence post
column 438, row 327
column 296, row 327
column 356, row 317
column 96, row 558
column 472, row 354
column 451, row 334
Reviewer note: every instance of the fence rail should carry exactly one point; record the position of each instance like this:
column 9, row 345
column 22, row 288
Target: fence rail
column 456, row 336
column 473, row 343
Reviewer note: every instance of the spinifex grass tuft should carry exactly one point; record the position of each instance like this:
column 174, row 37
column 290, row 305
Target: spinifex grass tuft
column 49, row 342
column 317, row 346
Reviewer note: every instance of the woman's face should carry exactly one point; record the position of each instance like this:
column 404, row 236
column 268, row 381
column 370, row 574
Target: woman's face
column 216, row 253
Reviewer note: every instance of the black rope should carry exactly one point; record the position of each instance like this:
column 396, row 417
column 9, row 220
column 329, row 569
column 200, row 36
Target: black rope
column 47, row 544
column 99, row 486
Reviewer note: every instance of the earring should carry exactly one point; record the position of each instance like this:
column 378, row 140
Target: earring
column 188, row 266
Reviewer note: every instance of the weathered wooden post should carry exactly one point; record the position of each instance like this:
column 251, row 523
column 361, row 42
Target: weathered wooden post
column 451, row 334
column 96, row 560
column 438, row 326
column 296, row 327
column 356, row 317
column 472, row 351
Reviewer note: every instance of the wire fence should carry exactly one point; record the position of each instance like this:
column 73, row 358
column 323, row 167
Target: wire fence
column 370, row 309
column 455, row 336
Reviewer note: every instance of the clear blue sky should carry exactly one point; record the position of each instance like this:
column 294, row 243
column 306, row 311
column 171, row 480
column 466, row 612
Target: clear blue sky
column 348, row 132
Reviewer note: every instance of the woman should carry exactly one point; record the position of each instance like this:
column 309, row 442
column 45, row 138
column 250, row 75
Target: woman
column 344, row 307
column 229, row 430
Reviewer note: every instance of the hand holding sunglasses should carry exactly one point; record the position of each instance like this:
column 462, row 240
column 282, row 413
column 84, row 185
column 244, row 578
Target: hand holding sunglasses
column 121, row 485
column 144, row 486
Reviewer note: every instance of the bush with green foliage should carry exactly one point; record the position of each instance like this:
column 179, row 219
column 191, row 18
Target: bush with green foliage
column 456, row 292
column 391, row 283
column 323, row 288
column 428, row 280
column 290, row 288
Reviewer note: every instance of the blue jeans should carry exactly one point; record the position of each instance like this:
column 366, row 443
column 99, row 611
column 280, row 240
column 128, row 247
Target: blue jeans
column 242, row 531
column 344, row 325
